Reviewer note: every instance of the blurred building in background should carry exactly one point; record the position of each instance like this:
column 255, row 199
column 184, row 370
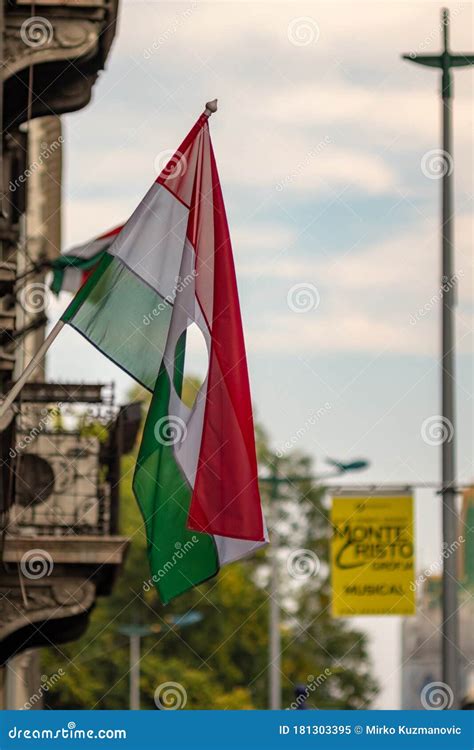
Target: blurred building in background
column 59, row 541
column 421, row 635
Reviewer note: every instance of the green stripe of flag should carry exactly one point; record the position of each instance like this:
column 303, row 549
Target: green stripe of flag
column 61, row 264
column 179, row 557
column 124, row 318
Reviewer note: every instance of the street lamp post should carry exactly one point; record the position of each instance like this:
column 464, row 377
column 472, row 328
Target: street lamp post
column 274, row 481
column 135, row 632
column 450, row 632
column 134, row 672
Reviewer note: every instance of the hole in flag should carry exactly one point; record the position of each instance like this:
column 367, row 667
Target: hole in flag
column 196, row 360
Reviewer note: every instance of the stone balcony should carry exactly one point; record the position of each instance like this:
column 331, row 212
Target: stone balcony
column 61, row 546
column 49, row 586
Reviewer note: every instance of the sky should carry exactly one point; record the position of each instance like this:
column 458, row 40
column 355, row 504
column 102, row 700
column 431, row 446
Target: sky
column 327, row 146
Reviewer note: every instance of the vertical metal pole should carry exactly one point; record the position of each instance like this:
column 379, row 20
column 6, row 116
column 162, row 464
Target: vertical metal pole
column 450, row 633
column 134, row 673
column 274, row 624
column 450, row 627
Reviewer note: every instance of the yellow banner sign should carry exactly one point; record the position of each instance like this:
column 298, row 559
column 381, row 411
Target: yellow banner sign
column 372, row 557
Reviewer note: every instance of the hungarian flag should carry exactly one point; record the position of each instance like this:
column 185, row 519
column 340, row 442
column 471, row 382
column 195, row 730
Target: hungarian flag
column 74, row 267
column 172, row 266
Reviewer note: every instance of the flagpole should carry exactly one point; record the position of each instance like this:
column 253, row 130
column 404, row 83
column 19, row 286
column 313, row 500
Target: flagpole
column 211, row 108
column 31, row 367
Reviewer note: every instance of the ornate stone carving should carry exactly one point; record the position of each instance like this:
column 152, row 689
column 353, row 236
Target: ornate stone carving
column 41, row 601
column 67, row 45
column 63, row 41
column 48, row 586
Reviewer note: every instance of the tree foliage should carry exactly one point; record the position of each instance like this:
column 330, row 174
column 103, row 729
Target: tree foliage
column 222, row 660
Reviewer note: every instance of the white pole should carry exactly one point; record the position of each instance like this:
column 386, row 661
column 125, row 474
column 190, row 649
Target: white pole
column 30, row 368
column 274, row 620
column 275, row 638
column 134, row 672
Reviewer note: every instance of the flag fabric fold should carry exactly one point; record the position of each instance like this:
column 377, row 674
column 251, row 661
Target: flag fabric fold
column 171, row 266
column 73, row 268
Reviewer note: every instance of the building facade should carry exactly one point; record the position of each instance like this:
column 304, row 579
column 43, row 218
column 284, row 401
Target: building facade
column 59, row 535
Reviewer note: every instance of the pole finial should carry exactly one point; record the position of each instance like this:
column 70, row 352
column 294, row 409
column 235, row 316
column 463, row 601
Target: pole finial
column 211, row 107
column 445, row 24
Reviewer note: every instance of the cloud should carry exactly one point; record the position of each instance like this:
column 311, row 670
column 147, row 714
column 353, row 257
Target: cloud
column 385, row 297
column 412, row 113
column 291, row 164
column 350, row 331
column 87, row 218
column 342, row 111
column 299, row 128
column 344, row 331
column 249, row 239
